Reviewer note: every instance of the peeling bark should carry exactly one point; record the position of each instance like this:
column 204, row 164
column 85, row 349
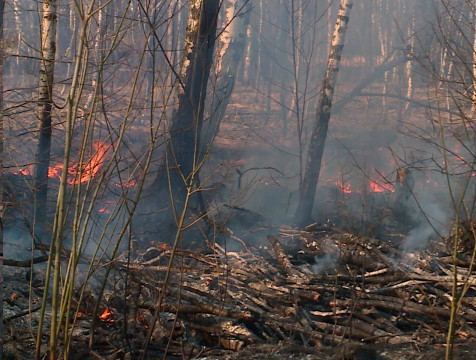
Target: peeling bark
column 319, row 133
column 184, row 141
column 233, row 46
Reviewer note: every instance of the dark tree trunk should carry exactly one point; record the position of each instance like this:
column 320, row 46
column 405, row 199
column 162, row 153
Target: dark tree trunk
column 319, row 133
column 182, row 148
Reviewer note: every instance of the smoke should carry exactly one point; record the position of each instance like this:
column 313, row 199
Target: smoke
column 431, row 219
column 431, row 212
column 323, row 263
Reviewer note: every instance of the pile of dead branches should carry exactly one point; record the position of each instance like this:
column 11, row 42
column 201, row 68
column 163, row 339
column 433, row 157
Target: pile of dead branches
column 319, row 286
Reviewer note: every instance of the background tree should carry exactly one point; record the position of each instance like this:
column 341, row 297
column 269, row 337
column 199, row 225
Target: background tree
column 45, row 105
column 319, row 133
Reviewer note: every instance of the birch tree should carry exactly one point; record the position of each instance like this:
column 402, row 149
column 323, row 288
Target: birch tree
column 321, row 124
column 184, row 142
column 473, row 104
column 45, row 103
column 230, row 54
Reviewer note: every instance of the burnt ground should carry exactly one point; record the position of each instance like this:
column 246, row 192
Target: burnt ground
column 252, row 139
column 463, row 351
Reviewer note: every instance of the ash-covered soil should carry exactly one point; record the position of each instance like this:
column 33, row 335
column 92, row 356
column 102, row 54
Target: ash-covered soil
column 463, row 351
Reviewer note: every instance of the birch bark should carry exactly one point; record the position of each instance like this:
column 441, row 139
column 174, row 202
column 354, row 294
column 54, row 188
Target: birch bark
column 473, row 104
column 231, row 51
column 182, row 158
column 45, row 102
column 321, row 124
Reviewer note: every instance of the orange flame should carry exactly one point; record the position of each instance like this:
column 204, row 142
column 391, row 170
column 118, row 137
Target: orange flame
column 107, row 315
column 345, row 188
column 380, row 188
column 141, row 321
column 26, row 171
column 90, row 170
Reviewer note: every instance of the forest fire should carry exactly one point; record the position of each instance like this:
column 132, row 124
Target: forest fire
column 374, row 187
column 89, row 171
column 280, row 179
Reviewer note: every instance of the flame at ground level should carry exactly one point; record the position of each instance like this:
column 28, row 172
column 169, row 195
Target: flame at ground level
column 380, row 188
column 345, row 188
column 107, row 315
column 89, row 169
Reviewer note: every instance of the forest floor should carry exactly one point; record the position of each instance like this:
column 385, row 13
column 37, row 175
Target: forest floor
column 463, row 351
column 263, row 167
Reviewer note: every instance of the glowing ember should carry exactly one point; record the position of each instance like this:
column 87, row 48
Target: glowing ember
column 141, row 321
column 107, row 315
column 128, row 184
column 26, row 171
column 345, row 188
column 106, row 209
column 380, row 188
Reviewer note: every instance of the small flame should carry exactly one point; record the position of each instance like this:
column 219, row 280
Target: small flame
column 106, row 209
column 26, row 171
column 141, row 321
column 380, row 188
column 107, row 315
column 345, row 188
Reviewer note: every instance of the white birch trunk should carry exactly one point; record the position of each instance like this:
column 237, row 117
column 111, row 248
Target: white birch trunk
column 473, row 104
column 190, row 35
column 16, row 11
column 45, row 102
column 408, row 66
column 233, row 44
